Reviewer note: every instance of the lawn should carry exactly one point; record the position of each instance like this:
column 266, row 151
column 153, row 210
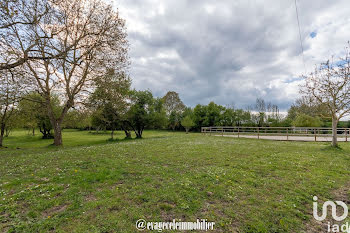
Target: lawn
column 95, row 185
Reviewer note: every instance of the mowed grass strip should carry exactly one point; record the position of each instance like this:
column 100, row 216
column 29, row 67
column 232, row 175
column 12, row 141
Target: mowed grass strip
column 92, row 185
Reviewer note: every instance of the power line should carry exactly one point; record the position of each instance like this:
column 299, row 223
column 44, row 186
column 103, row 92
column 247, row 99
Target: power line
column 301, row 42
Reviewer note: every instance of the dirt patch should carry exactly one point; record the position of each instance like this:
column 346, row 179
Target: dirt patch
column 214, row 210
column 91, row 197
column 290, row 138
column 117, row 185
column 45, row 179
column 341, row 194
column 54, row 210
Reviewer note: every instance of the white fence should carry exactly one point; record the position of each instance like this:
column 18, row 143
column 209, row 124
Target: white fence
column 286, row 132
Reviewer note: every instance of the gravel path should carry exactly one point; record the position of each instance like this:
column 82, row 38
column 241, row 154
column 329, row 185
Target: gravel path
column 290, row 138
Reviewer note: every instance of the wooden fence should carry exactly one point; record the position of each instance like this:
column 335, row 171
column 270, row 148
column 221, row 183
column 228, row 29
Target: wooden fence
column 286, row 132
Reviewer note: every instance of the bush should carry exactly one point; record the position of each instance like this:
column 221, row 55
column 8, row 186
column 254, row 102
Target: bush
column 303, row 120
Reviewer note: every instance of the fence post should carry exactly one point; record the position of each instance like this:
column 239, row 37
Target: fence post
column 210, row 132
column 315, row 135
column 238, row 132
column 287, row 135
column 258, row 133
column 346, row 135
column 222, row 131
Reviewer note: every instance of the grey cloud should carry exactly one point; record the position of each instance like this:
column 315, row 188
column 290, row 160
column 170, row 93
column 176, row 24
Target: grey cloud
column 226, row 51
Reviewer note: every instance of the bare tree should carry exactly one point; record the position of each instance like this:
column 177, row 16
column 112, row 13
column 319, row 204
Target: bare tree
column 275, row 112
column 15, row 18
column 329, row 85
column 76, row 41
column 261, row 109
column 9, row 89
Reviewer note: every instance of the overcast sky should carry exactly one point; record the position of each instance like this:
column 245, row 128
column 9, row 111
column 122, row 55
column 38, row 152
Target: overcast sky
column 230, row 52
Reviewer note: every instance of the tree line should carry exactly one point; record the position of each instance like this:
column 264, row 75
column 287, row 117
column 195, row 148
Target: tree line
column 113, row 105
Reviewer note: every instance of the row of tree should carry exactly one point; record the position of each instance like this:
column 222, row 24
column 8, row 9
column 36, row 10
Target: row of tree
column 113, row 105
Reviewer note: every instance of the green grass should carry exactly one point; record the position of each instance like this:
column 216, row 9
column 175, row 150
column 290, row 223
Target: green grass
column 25, row 140
column 92, row 185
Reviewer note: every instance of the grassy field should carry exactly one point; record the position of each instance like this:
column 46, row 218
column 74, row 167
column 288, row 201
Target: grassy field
column 94, row 185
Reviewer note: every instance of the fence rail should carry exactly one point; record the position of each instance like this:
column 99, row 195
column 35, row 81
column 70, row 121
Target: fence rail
column 276, row 131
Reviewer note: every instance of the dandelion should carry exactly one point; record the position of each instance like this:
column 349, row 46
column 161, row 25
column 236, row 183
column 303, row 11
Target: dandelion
column 75, row 170
column 48, row 216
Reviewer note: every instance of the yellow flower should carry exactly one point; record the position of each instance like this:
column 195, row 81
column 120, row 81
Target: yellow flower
column 48, row 216
column 75, row 170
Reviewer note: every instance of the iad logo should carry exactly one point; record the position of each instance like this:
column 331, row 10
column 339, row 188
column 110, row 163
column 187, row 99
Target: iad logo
column 334, row 210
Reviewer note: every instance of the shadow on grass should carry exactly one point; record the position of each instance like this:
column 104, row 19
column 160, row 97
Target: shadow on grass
column 70, row 140
column 99, row 132
column 133, row 139
column 120, row 139
column 331, row 148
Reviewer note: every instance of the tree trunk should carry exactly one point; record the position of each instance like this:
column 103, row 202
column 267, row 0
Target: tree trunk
column 334, row 131
column 137, row 130
column 7, row 132
column 56, row 122
column 2, row 132
column 58, row 134
column 187, row 129
column 138, row 133
column 33, row 131
column 127, row 134
column 126, row 131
